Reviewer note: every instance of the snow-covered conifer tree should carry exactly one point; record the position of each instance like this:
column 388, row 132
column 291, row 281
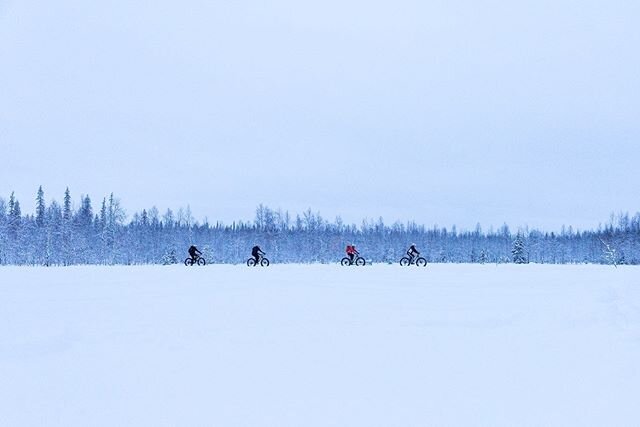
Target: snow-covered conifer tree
column 40, row 207
column 53, row 242
column 518, row 251
column 3, row 231
column 115, row 217
column 67, row 230
column 15, row 217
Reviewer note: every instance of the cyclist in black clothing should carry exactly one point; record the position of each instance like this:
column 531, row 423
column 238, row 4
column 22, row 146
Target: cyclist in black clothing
column 194, row 253
column 412, row 252
column 256, row 253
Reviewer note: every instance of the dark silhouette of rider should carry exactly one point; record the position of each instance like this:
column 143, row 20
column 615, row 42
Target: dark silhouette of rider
column 412, row 252
column 194, row 252
column 256, row 253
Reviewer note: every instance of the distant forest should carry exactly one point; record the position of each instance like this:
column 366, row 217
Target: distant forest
column 61, row 234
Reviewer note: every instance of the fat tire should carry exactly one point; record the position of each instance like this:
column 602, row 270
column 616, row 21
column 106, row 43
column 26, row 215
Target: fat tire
column 360, row 261
column 345, row 261
column 188, row 262
column 251, row 262
column 404, row 261
column 264, row 262
column 202, row 261
column 421, row 262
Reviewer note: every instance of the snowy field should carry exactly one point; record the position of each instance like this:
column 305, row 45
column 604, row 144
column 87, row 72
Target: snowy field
column 319, row 345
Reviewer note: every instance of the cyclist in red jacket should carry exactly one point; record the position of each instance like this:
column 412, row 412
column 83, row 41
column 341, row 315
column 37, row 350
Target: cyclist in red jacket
column 351, row 252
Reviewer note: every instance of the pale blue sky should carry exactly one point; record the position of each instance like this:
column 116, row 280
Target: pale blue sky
column 447, row 112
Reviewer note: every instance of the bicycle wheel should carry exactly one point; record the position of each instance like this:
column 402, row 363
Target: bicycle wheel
column 404, row 261
column 345, row 261
column 360, row 261
column 188, row 262
column 264, row 262
column 251, row 262
column 202, row 261
column 421, row 262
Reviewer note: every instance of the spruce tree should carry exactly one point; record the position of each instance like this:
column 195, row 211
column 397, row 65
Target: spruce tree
column 67, row 229
column 518, row 251
column 39, row 239
column 3, row 231
column 66, row 209
column 15, row 217
column 53, row 248
column 40, row 208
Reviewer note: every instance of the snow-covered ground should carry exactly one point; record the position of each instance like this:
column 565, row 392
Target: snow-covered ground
column 318, row 345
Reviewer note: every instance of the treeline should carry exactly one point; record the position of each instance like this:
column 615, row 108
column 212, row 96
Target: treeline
column 61, row 234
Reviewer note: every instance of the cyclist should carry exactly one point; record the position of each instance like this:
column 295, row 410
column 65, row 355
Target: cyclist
column 194, row 253
column 412, row 252
column 352, row 252
column 256, row 253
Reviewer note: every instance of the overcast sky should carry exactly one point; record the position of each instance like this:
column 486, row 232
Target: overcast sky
column 446, row 112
